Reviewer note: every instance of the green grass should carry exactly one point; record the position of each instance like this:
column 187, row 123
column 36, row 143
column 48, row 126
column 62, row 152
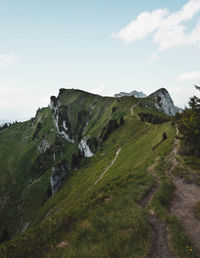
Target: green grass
column 117, row 226
column 107, row 221
column 179, row 240
column 22, row 192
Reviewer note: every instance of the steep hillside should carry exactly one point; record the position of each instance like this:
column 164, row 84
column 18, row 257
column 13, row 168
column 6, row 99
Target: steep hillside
column 80, row 179
column 29, row 150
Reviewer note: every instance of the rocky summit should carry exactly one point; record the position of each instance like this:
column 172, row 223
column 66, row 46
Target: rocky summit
column 163, row 102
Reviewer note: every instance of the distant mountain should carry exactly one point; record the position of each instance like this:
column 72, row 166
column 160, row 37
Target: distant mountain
column 134, row 93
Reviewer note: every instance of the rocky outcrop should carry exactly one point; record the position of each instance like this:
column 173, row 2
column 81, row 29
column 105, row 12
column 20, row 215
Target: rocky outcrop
column 84, row 148
column 163, row 102
column 134, row 93
column 43, row 146
column 58, row 174
column 61, row 120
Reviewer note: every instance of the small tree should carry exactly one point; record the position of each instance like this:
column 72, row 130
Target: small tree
column 114, row 109
column 121, row 120
column 164, row 136
column 189, row 124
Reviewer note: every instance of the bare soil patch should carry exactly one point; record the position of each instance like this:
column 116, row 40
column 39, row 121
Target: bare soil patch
column 159, row 246
column 183, row 207
column 184, row 204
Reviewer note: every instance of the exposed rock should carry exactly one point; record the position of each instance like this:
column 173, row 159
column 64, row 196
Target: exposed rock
column 25, row 226
column 54, row 103
column 163, row 102
column 61, row 120
column 43, row 146
column 58, row 174
column 84, row 148
column 134, row 93
column 63, row 244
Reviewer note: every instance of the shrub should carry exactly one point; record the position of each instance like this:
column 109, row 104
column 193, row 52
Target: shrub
column 164, row 136
column 121, row 120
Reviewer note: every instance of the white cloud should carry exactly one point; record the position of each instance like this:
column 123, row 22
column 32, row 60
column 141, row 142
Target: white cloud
column 145, row 24
column 189, row 76
column 167, row 28
column 7, row 60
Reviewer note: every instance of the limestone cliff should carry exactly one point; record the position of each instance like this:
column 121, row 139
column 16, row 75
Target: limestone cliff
column 58, row 174
column 163, row 102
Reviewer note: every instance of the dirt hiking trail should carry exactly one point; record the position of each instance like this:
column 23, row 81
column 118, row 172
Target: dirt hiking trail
column 132, row 110
column 159, row 246
column 186, row 197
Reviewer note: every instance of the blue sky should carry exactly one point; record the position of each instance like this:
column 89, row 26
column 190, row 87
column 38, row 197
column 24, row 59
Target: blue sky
column 101, row 46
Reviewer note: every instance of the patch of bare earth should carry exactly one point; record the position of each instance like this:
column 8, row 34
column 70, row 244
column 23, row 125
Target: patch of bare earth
column 132, row 108
column 159, row 246
column 149, row 195
column 186, row 197
column 183, row 207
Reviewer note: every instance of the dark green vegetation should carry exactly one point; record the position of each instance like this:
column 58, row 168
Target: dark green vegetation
column 189, row 126
column 85, row 219
column 152, row 118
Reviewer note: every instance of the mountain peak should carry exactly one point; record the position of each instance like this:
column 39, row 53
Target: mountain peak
column 163, row 101
column 134, row 93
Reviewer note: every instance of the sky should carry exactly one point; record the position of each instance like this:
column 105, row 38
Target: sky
column 101, row 46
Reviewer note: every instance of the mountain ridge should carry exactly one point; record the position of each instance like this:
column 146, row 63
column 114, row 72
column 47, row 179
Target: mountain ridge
column 134, row 93
column 75, row 161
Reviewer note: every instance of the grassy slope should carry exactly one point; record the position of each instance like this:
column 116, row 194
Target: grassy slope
column 108, row 220
column 97, row 110
column 23, row 191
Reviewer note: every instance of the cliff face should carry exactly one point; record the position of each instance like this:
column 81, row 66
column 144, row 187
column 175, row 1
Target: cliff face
column 75, row 115
column 163, row 102
column 59, row 171
column 61, row 121
column 63, row 126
